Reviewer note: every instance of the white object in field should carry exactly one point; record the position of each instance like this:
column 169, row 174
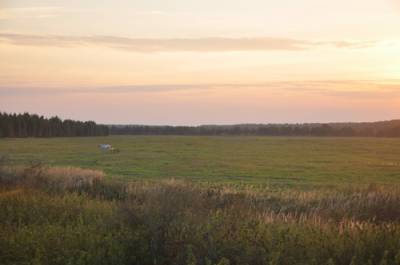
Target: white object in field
column 105, row 147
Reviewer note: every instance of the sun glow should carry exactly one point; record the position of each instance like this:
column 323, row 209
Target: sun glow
column 273, row 58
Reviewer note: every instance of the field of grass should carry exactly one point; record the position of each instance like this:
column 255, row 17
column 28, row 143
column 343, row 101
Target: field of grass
column 296, row 161
column 60, row 216
column 175, row 200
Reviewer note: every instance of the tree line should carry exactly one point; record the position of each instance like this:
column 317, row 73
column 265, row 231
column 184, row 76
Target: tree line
column 367, row 129
column 32, row 125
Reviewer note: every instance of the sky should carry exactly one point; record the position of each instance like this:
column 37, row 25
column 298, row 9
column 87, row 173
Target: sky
column 187, row 62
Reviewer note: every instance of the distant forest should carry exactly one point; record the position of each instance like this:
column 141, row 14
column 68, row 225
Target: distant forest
column 367, row 129
column 32, row 125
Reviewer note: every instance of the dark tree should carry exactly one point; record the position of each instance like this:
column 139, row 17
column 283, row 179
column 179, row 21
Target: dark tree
column 369, row 129
column 31, row 125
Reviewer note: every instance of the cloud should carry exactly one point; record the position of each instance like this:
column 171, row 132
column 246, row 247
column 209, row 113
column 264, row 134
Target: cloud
column 16, row 91
column 357, row 89
column 146, row 45
column 39, row 91
column 348, row 44
column 30, row 12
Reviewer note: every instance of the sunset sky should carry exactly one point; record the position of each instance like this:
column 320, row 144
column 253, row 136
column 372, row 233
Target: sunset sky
column 201, row 62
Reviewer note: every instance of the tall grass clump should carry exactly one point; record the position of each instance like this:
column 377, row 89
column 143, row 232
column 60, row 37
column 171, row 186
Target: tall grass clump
column 78, row 216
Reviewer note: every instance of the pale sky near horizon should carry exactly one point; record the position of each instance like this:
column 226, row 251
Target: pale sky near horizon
column 201, row 62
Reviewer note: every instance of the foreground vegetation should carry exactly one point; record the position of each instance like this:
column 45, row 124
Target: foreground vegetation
column 299, row 162
column 76, row 216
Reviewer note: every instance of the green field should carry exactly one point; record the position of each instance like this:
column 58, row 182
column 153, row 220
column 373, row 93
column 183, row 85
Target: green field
column 318, row 201
column 254, row 160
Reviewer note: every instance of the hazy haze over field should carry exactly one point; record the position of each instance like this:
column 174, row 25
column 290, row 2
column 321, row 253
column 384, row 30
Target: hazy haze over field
column 193, row 62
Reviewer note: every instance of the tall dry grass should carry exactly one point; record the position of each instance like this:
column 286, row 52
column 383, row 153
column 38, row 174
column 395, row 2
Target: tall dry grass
column 178, row 222
column 66, row 178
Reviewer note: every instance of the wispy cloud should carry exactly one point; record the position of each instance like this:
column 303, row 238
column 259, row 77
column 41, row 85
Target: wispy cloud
column 31, row 12
column 37, row 90
column 360, row 89
column 146, row 45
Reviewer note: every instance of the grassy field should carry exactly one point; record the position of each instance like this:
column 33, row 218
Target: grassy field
column 256, row 160
column 309, row 201
column 60, row 216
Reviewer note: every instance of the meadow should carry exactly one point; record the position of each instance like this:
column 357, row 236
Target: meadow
column 200, row 201
column 291, row 161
